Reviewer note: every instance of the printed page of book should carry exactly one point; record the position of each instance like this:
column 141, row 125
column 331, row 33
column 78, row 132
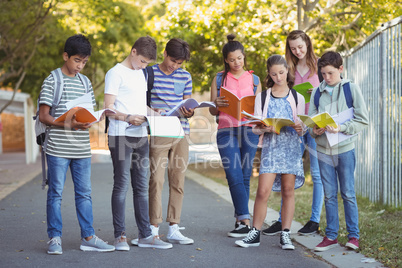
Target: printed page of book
column 165, row 126
column 188, row 104
column 342, row 117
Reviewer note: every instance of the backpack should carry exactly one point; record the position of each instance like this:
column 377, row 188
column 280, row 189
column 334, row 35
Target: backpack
column 150, row 77
column 41, row 130
column 256, row 81
column 264, row 96
column 346, row 91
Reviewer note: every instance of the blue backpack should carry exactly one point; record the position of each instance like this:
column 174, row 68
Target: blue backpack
column 346, row 91
column 256, row 81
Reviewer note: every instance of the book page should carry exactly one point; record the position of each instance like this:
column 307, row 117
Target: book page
column 342, row 117
column 165, row 126
column 85, row 101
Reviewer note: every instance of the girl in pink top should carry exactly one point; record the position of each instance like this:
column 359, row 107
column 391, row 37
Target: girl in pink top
column 237, row 144
column 302, row 64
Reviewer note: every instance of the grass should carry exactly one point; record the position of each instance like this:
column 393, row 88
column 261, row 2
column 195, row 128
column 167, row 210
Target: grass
column 380, row 226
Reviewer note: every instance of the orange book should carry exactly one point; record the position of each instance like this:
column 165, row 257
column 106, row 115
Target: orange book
column 83, row 115
column 237, row 105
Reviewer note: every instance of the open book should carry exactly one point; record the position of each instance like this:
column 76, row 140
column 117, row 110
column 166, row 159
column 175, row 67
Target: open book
column 321, row 120
column 303, row 89
column 236, row 105
column 278, row 123
column 83, row 110
column 188, row 104
column 340, row 118
column 165, row 126
column 83, row 115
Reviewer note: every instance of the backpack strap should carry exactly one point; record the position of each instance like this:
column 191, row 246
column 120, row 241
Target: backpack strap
column 84, row 80
column 263, row 98
column 346, row 92
column 256, row 82
column 219, row 82
column 58, row 90
column 294, row 93
column 150, row 77
column 317, row 96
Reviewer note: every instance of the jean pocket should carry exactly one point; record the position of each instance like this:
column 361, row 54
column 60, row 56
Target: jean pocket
column 179, row 88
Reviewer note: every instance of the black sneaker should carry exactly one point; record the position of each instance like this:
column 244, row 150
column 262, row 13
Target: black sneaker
column 286, row 242
column 275, row 228
column 309, row 228
column 241, row 230
column 252, row 239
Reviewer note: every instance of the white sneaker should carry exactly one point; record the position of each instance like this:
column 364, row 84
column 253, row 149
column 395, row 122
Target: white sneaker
column 174, row 236
column 153, row 242
column 120, row 243
column 285, row 241
column 154, row 230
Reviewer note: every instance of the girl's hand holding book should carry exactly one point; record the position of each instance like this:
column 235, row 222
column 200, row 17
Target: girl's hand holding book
column 221, row 102
column 318, row 131
column 298, row 127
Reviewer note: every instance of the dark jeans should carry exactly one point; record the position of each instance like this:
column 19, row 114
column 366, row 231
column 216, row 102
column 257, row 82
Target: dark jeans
column 130, row 156
column 237, row 147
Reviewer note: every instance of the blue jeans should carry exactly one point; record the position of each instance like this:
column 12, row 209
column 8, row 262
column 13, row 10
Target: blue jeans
column 340, row 168
column 237, row 147
column 81, row 175
column 318, row 190
column 130, row 156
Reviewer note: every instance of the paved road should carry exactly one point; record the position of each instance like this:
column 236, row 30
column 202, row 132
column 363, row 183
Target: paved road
column 206, row 216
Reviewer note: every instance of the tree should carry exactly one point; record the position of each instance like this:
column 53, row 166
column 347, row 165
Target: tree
column 21, row 24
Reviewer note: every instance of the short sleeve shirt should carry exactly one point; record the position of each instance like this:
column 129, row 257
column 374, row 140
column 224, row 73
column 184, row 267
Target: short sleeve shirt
column 66, row 143
column 169, row 90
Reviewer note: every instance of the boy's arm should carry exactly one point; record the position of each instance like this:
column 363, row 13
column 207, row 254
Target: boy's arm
column 129, row 118
column 360, row 117
column 187, row 95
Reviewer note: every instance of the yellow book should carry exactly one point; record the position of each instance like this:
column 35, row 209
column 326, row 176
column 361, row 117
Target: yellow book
column 277, row 123
column 321, row 120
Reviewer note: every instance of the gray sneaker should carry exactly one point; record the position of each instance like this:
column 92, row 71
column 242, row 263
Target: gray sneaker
column 96, row 244
column 154, row 230
column 153, row 242
column 120, row 243
column 55, row 246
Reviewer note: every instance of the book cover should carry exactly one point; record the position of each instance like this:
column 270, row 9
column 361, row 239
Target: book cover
column 304, row 89
column 278, row 123
column 237, row 105
column 83, row 115
column 321, row 120
column 188, row 104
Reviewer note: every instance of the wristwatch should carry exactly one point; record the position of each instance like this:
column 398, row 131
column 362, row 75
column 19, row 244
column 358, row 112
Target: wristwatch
column 127, row 116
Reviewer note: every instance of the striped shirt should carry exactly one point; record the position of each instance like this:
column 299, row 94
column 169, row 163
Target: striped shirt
column 169, row 90
column 64, row 142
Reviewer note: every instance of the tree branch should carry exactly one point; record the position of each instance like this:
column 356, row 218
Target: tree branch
column 17, row 85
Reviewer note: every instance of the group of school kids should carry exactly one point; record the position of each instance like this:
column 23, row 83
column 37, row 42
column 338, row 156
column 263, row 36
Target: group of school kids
column 134, row 154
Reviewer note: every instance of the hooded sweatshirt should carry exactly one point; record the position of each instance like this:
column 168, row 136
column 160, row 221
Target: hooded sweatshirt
column 333, row 105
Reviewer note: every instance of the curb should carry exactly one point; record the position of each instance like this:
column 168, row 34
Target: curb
column 338, row 256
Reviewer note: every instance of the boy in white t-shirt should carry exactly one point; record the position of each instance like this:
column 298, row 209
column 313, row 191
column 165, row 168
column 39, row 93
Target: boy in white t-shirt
column 125, row 93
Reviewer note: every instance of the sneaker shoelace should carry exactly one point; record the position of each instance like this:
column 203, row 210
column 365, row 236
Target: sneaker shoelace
column 251, row 235
column 98, row 239
column 178, row 233
column 286, row 238
column 53, row 241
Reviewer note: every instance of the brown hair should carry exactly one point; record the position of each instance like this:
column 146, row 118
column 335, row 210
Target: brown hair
column 145, row 46
column 178, row 49
column 278, row 60
column 331, row 58
column 311, row 58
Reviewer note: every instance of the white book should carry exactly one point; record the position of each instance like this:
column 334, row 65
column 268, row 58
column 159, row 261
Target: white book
column 188, row 104
column 165, row 126
column 340, row 118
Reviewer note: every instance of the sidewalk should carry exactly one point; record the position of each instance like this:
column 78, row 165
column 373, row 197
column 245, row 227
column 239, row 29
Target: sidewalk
column 206, row 214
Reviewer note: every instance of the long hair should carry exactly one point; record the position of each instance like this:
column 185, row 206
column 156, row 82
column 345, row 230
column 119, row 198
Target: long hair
column 311, row 58
column 278, row 60
column 231, row 46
